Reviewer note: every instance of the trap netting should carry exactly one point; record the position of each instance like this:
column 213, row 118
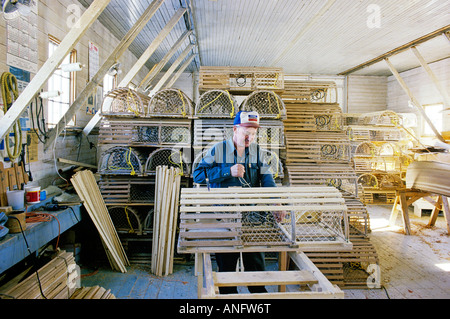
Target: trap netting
column 263, row 218
column 126, row 220
column 171, row 103
column 121, row 161
column 167, row 157
column 126, row 102
column 267, row 103
column 216, row 104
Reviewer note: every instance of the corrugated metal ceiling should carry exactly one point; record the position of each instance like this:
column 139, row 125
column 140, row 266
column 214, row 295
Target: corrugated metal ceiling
column 301, row 36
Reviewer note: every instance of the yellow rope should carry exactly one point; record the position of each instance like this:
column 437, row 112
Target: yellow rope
column 180, row 165
column 184, row 103
column 129, row 222
column 10, row 93
column 128, row 160
column 129, row 108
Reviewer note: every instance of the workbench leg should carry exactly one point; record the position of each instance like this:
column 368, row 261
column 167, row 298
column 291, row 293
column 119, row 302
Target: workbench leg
column 405, row 215
column 435, row 212
column 446, row 211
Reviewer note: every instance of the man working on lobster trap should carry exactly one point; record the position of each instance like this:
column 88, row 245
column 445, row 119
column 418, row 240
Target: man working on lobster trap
column 238, row 162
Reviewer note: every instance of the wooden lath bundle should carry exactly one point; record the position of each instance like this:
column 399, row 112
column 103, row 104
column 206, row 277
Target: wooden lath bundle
column 165, row 218
column 57, row 279
column 86, row 187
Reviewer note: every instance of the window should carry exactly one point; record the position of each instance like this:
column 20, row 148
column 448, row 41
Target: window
column 109, row 83
column 64, row 82
column 435, row 114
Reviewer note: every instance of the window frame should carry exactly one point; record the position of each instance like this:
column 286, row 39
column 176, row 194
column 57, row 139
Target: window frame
column 425, row 124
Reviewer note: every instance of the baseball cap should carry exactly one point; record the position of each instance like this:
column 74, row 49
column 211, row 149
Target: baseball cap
column 247, row 119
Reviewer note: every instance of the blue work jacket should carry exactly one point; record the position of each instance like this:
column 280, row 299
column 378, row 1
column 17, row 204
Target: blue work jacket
column 219, row 159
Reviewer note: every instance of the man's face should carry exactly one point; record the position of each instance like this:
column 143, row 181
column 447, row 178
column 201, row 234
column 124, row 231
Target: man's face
column 244, row 136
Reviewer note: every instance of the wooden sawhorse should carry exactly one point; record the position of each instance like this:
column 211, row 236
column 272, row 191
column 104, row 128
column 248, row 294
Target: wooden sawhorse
column 405, row 197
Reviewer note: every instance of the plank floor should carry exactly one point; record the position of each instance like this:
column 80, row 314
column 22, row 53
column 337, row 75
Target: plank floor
column 412, row 267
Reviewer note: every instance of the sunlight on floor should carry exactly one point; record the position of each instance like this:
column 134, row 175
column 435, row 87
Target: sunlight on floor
column 382, row 224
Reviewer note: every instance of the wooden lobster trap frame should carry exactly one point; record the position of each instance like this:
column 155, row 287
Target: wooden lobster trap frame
column 319, row 147
column 309, row 92
column 216, row 104
column 123, row 190
column 171, row 103
column 120, row 160
column 144, row 132
column 240, row 80
column 126, row 220
column 208, row 132
column 383, row 118
column 125, row 102
column 373, row 133
column 313, row 117
column 248, row 219
column 268, row 104
column 170, row 157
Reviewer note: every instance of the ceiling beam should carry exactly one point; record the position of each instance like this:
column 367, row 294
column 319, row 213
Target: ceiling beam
column 398, row 50
column 432, row 76
column 171, row 69
column 413, row 99
column 157, row 68
column 179, row 72
column 53, row 62
column 152, row 48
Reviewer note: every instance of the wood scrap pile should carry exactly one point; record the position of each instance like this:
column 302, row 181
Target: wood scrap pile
column 165, row 218
column 57, row 279
column 86, row 187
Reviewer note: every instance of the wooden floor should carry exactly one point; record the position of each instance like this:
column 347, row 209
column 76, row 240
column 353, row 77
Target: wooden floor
column 416, row 266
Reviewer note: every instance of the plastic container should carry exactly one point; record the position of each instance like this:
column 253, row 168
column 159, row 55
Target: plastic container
column 32, row 194
column 16, row 199
column 43, row 195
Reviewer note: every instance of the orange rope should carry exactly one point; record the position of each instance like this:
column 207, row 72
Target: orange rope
column 34, row 217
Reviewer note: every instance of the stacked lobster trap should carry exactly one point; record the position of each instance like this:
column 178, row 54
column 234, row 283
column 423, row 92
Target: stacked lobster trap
column 138, row 133
column 216, row 108
column 379, row 149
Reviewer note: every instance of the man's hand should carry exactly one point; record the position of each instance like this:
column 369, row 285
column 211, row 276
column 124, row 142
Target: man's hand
column 237, row 170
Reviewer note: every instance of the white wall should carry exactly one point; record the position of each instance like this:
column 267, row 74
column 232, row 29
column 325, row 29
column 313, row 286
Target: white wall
column 421, row 87
column 52, row 19
column 366, row 94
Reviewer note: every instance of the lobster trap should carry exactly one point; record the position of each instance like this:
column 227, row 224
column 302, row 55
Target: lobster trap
column 144, row 132
column 341, row 176
column 126, row 220
column 125, row 102
column 216, row 104
column 373, row 133
column 321, row 147
column 267, row 103
column 167, row 157
column 120, row 160
column 313, row 117
column 124, row 190
column 171, row 103
column 262, row 219
column 309, row 92
column 208, row 132
column 384, row 118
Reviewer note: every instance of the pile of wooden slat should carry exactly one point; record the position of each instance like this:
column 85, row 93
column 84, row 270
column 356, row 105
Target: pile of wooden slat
column 57, row 279
column 429, row 176
column 86, row 187
column 95, row 292
column 165, row 218
column 309, row 91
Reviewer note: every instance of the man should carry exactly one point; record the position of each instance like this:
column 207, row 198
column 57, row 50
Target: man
column 237, row 162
